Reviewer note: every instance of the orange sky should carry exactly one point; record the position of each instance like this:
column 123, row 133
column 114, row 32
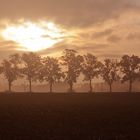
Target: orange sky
column 106, row 28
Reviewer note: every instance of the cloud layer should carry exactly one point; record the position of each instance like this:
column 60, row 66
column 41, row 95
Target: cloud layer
column 66, row 12
column 103, row 27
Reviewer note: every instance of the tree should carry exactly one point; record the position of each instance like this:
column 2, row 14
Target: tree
column 130, row 69
column 11, row 69
column 91, row 68
column 72, row 63
column 110, row 72
column 32, row 65
column 51, row 71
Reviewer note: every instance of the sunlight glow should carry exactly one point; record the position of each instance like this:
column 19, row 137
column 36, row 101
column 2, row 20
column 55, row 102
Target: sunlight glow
column 34, row 36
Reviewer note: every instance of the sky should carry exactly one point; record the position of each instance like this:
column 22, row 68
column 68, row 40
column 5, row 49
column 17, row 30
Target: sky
column 106, row 28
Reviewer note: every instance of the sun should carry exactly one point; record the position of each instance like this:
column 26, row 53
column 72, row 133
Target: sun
column 34, row 36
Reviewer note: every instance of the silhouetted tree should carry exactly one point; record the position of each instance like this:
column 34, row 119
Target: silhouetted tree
column 51, row 71
column 11, row 69
column 110, row 72
column 32, row 65
column 72, row 63
column 130, row 69
column 91, row 68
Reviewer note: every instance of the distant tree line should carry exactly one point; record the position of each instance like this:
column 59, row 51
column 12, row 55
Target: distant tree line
column 68, row 68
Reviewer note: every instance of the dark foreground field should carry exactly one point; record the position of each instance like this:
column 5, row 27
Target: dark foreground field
column 70, row 117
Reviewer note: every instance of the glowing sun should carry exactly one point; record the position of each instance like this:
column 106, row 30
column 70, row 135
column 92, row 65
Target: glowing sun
column 33, row 36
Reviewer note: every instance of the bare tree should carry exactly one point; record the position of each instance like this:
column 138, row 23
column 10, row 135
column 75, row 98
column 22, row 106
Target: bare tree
column 32, row 64
column 91, row 68
column 51, row 71
column 11, row 69
column 110, row 72
column 130, row 69
column 72, row 63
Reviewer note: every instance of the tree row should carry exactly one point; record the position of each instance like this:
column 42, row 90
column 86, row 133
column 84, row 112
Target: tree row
column 68, row 68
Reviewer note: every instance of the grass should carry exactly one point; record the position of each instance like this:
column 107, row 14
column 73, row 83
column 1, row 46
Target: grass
column 70, row 116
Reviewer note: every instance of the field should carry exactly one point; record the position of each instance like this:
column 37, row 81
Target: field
column 70, row 116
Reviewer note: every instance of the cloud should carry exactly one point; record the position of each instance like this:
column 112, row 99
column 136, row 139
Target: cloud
column 7, row 48
column 65, row 12
column 96, row 34
column 114, row 38
column 133, row 36
column 8, row 45
column 92, row 25
column 58, row 49
column 103, row 33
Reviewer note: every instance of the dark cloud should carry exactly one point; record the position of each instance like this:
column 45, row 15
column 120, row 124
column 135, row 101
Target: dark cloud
column 97, row 34
column 7, row 48
column 114, row 38
column 103, row 33
column 65, row 12
column 133, row 36
column 60, row 47
column 3, row 43
column 8, row 45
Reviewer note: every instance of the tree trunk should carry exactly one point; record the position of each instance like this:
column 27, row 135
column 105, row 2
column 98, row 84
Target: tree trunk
column 51, row 85
column 130, row 86
column 10, row 86
column 30, row 85
column 110, row 88
column 90, row 86
column 71, row 87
